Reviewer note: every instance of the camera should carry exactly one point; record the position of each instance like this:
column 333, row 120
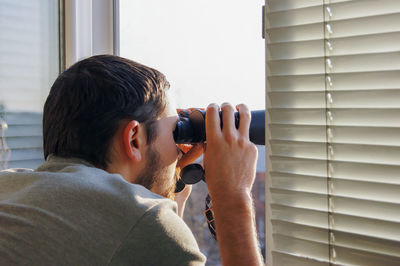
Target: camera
column 191, row 128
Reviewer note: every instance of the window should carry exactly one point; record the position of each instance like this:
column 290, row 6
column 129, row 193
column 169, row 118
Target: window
column 211, row 51
column 29, row 65
column 333, row 99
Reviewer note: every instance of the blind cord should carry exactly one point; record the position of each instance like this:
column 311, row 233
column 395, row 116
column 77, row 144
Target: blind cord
column 328, row 117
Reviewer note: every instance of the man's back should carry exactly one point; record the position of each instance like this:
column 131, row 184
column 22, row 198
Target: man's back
column 69, row 212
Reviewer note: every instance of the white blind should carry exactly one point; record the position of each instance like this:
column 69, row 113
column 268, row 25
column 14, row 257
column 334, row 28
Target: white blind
column 333, row 100
column 28, row 67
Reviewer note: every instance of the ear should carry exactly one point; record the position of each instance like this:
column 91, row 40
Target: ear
column 133, row 141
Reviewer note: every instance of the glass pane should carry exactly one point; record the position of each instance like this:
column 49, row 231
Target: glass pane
column 210, row 52
column 29, row 65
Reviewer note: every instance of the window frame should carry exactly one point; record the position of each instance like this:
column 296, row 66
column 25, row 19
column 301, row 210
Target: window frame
column 89, row 27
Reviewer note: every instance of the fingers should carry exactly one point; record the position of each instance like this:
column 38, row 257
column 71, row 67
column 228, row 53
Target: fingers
column 213, row 122
column 191, row 155
column 245, row 118
column 228, row 118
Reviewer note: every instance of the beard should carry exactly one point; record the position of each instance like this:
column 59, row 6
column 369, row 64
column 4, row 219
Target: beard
column 156, row 178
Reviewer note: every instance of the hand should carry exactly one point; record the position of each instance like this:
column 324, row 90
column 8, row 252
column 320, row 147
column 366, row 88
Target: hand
column 230, row 158
column 230, row 166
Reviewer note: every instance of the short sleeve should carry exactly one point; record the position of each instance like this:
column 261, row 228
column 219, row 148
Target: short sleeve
column 160, row 237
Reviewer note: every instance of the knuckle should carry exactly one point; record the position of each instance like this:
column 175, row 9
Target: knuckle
column 230, row 137
column 242, row 141
column 253, row 149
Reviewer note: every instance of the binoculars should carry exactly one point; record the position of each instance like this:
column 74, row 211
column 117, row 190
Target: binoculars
column 191, row 128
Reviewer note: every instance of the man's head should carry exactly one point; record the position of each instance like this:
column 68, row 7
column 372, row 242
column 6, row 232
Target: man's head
column 108, row 110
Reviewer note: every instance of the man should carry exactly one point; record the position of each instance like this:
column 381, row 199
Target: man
column 101, row 197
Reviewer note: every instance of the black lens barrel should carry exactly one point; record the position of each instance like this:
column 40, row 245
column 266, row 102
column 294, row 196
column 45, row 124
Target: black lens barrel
column 191, row 128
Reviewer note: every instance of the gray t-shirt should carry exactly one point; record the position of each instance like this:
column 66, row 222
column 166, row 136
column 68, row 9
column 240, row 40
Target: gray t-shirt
column 68, row 212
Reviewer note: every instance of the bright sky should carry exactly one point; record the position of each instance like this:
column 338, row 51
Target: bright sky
column 210, row 51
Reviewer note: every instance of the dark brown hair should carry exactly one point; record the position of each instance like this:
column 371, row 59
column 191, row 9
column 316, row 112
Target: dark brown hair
column 88, row 102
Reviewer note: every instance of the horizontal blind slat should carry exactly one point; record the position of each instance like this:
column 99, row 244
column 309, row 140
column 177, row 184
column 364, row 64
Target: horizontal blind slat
column 339, row 99
column 297, row 199
column 362, row 117
column 296, row 50
column 338, row 64
column 374, row 154
column 342, row 170
column 349, row 256
column 350, row 205
column 298, row 166
column 24, row 154
column 24, row 142
column 341, row 239
column 366, row 172
column 344, row 255
column 283, row 258
column 365, row 44
column 340, row 222
column 365, row 190
column 301, row 16
column 340, row 81
column 346, row 134
column 367, row 227
column 20, row 118
column 298, row 132
column 338, row 11
column 297, row 116
column 362, row 8
column 281, row 5
column 31, row 163
column 23, row 131
column 312, row 218
column 297, row 182
column 366, row 135
column 362, row 207
column 308, row 150
column 304, row 248
column 342, row 28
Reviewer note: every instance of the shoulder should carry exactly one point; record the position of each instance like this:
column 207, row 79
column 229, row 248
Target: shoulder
column 160, row 237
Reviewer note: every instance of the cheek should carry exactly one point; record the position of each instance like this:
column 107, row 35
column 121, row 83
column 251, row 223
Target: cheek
column 169, row 151
column 173, row 154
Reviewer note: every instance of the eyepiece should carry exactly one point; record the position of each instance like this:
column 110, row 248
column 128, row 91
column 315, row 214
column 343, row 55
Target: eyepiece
column 184, row 130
